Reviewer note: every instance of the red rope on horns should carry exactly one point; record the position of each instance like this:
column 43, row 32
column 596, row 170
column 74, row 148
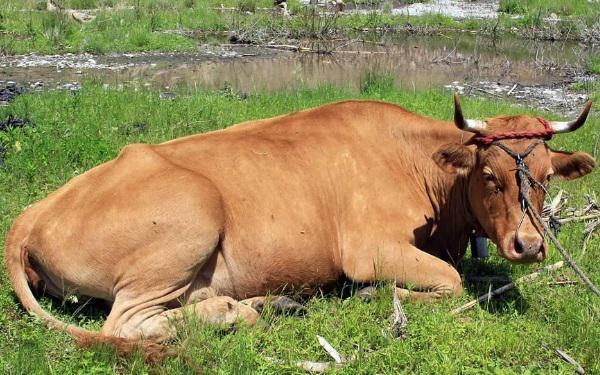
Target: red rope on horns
column 544, row 134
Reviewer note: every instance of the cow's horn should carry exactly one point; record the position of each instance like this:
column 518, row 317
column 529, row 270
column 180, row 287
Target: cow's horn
column 473, row 126
column 569, row 126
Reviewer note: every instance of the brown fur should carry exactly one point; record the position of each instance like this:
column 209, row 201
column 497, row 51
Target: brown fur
column 291, row 203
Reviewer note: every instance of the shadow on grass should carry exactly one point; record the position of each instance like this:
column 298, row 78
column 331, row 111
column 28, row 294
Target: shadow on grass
column 483, row 276
column 83, row 312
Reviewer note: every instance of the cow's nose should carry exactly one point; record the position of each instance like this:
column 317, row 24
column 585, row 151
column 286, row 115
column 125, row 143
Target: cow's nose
column 528, row 245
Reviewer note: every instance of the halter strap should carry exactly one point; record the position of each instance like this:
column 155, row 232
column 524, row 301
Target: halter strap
column 543, row 134
column 524, row 178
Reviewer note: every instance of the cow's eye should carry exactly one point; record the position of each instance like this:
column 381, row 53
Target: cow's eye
column 492, row 182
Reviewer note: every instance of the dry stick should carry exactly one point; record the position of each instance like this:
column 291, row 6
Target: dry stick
column 513, row 89
column 568, row 358
column 506, row 287
column 561, row 250
column 565, row 282
column 578, row 218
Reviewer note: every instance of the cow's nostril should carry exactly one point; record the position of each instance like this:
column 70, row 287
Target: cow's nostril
column 528, row 246
column 519, row 247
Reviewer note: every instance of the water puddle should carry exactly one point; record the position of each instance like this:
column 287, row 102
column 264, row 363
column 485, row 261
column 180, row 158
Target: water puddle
column 416, row 61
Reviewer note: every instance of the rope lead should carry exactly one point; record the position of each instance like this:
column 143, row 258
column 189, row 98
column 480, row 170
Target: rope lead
column 525, row 180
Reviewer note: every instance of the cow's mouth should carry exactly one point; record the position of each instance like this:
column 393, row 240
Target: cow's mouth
column 526, row 249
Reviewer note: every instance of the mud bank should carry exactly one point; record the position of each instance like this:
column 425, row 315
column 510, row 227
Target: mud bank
column 542, row 71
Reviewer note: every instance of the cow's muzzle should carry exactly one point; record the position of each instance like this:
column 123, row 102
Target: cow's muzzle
column 526, row 248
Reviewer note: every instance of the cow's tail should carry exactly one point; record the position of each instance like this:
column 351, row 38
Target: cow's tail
column 15, row 256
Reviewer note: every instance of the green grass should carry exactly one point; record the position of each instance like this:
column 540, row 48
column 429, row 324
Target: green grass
column 514, row 334
column 547, row 7
column 149, row 25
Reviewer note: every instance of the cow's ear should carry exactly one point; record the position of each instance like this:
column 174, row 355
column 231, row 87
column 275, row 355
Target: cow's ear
column 571, row 165
column 454, row 158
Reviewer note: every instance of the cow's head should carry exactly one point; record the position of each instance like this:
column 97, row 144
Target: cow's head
column 493, row 186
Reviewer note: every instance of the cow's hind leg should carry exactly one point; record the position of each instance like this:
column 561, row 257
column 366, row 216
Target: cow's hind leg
column 220, row 311
column 182, row 234
column 279, row 304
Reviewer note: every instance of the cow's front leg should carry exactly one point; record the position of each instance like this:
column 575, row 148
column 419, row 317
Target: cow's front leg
column 418, row 275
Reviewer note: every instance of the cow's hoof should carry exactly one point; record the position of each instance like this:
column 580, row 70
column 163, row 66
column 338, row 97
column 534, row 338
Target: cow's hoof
column 287, row 306
column 280, row 304
column 367, row 293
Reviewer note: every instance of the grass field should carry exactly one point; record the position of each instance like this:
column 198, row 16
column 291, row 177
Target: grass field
column 547, row 7
column 153, row 25
column 516, row 334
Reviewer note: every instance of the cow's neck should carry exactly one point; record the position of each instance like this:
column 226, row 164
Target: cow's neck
column 452, row 219
column 451, row 222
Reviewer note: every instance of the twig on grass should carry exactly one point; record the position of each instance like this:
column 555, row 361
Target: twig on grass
column 509, row 286
column 569, row 359
column 562, row 282
column 579, row 218
column 330, row 350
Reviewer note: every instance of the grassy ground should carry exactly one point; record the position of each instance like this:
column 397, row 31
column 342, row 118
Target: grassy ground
column 547, row 7
column 148, row 25
column 515, row 334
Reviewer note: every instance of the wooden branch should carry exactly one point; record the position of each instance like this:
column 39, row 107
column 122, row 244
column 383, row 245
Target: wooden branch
column 509, row 286
column 578, row 218
column 569, row 359
column 563, row 282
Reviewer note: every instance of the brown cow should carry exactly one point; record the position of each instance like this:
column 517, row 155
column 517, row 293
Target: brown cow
column 358, row 189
